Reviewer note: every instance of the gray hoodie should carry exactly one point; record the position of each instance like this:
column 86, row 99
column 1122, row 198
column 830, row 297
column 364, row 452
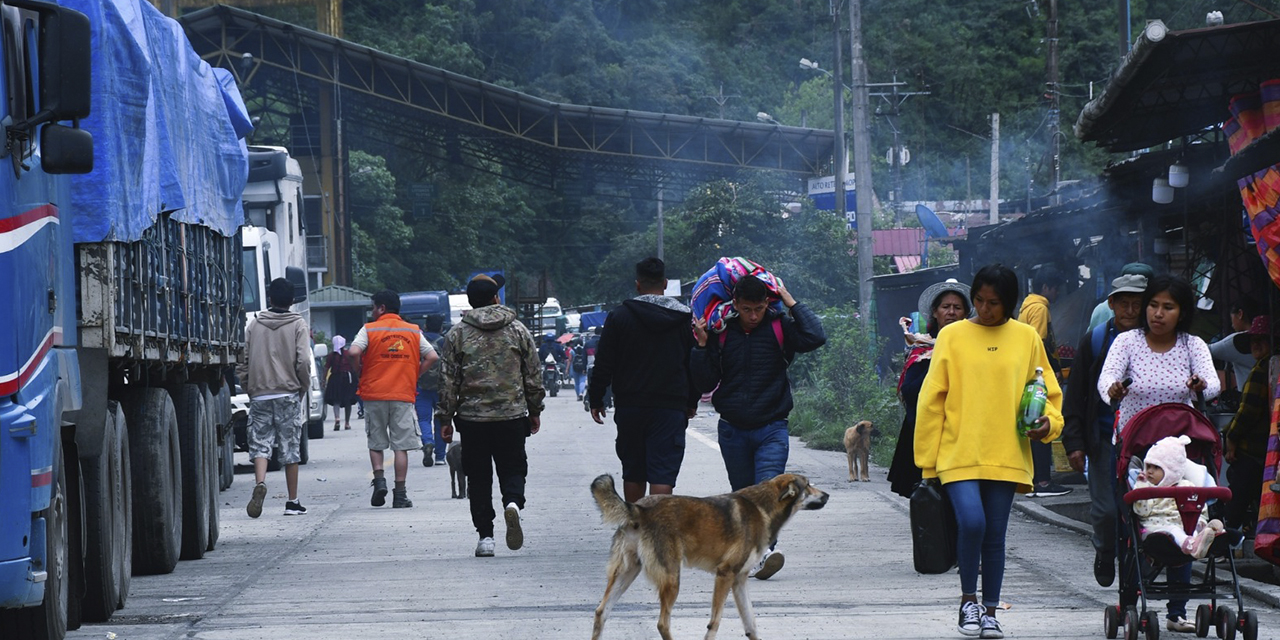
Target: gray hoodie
column 277, row 355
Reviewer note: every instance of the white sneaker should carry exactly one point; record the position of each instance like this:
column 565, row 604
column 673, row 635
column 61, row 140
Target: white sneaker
column 769, row 564
column 991, row 628
column 515, row 535
column 484, row 548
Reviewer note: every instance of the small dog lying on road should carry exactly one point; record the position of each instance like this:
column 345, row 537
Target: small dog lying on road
column 857, row 445
column 457, row 480
column 725, row 535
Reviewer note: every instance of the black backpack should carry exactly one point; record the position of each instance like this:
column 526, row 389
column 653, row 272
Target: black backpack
column 430, row 380
column 580, row 358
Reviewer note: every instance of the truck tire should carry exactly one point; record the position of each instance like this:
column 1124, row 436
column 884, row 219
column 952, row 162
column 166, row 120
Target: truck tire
column 226, row 439
column 304, row 448
column 156, row 478
column 106, row 529
column 315, row 429
column 75, row 537
column 49, row 620
column 126, row 561
column 192, row 440
column 212, row 456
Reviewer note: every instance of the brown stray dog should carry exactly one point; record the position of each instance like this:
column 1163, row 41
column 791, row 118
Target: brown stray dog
column 857, row 445
column 725, row 535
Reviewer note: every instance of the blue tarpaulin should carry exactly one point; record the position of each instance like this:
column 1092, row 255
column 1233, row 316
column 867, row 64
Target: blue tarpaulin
column 166, row 128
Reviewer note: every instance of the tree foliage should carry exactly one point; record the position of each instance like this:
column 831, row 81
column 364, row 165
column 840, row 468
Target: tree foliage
column 730, row 59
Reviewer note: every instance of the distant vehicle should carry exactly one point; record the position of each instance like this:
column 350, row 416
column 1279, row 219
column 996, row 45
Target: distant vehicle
column 458, row 305
column 415, row 306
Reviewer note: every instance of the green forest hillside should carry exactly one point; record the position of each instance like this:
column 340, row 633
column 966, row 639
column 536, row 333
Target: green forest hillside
column 730, row 59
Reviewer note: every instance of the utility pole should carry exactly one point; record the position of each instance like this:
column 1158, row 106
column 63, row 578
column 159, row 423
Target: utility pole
column 994, row 217
column 838, row 172
column 897, row 158
column 1055, row 143
column 660, row 234
column 1126, row 33
column 861, row 162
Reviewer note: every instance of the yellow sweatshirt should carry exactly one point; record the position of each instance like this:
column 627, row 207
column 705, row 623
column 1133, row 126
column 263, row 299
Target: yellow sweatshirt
column 966, row 416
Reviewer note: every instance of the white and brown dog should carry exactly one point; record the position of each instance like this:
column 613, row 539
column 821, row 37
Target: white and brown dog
column 725, row 535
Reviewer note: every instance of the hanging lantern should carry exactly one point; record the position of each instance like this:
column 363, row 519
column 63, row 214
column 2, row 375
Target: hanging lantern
column 1179, row 176
column 1161, row 192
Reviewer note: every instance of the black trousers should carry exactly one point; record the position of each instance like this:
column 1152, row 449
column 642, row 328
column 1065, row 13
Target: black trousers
column 490, row 446
column 1244, row 476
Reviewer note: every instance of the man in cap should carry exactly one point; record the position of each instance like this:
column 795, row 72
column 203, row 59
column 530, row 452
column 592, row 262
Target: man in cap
column 275, row 373
column 491, row 389
column 1103, row 313
column 1088, row 421
column 1046, row 284
column 394, row 354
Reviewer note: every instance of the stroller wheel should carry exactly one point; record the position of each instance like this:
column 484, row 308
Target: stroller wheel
column 1131, row 624
column 1151, row 622
column 1204, row 620
column 1249, row 624
column 1111, row 621
column 1225, row 620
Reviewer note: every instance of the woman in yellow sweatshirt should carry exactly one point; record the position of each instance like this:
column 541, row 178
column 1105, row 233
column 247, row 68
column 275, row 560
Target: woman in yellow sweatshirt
column 967, row 437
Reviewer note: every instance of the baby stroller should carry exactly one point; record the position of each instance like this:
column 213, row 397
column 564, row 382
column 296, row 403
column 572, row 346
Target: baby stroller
column 1141, row 561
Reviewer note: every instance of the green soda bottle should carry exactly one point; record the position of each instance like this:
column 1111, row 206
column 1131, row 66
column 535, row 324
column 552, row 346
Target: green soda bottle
column 1034, row 398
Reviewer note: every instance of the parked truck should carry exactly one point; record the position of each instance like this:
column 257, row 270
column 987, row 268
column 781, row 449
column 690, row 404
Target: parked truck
column 123, row 311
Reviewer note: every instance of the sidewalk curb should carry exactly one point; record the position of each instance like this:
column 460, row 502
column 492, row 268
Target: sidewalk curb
column 1259, row 591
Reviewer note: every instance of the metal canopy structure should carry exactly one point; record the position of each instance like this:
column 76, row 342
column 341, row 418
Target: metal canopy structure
column 429, row 111
column 1175, row 84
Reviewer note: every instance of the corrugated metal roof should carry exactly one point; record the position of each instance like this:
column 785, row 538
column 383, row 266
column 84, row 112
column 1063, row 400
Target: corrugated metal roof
column 898, row 242
column 338, row 296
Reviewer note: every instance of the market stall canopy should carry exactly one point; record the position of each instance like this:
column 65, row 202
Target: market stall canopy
column 1177, row 83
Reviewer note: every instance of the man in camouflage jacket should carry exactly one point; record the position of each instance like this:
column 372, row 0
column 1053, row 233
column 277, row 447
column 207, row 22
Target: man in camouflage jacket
column 491, row 388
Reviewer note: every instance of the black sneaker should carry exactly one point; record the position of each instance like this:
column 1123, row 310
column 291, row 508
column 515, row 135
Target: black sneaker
column 428, row 455
column 400, row 499
column 1050, row 490
column 379, row 492
column 254, row 508
column 1104, row 568
column 971, row 614
column 294, row 508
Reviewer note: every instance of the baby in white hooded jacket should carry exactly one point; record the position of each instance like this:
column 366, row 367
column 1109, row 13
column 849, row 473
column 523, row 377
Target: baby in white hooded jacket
column 1166, row 465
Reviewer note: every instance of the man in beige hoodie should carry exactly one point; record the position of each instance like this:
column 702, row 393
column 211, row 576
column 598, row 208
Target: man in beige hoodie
column 275, row 373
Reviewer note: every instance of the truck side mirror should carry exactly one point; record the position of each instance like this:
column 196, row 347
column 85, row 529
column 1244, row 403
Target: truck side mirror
column 298, row 278
column 64, row 63
column 320, row 351
column 65, row 150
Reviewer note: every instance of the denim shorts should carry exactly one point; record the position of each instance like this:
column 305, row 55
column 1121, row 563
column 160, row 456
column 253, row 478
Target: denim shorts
column 650, row 443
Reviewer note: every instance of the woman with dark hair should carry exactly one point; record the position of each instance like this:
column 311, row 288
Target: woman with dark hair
column 967, row 436
column 942, row 303
column 341, row 381
column 1164, row 363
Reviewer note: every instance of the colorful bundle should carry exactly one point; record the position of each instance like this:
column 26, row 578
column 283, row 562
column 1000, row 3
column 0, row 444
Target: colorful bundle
column 713, row 293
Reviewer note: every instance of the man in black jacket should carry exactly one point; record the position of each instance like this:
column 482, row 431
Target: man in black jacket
column 749, row 362
column 1088, row 422
column 644, row 354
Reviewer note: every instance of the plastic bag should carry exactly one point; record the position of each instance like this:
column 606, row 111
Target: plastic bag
column 933, row 528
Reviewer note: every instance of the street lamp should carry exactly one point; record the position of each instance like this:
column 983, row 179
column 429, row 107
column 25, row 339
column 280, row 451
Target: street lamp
column 806, row 63
column 764, row 117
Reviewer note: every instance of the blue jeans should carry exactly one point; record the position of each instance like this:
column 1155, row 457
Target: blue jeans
column 754, row 455
column 580, row 383
column 982, row 519
column 426, row 406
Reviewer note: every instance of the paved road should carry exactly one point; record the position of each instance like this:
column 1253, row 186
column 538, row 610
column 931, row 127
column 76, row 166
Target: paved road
column 348, row 570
